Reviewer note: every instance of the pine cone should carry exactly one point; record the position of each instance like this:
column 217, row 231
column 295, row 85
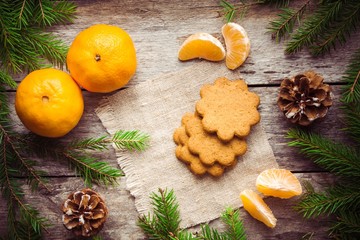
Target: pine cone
column 84, row 213
column 304, row 98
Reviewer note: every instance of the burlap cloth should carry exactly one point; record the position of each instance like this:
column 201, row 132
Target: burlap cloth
column 156, row 107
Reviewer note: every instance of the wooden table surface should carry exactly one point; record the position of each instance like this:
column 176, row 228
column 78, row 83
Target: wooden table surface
column 158, row 28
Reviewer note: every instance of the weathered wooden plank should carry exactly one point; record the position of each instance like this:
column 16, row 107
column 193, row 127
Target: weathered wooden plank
column 123, row 216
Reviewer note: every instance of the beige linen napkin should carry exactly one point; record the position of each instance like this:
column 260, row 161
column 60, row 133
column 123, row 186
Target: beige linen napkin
column 156, row 107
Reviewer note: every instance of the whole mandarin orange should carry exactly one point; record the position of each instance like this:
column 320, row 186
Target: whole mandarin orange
column 49, row 102
column 102, row 58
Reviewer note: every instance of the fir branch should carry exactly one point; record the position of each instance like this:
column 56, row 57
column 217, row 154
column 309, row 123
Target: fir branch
column 43, row 13
column 185, row 235
column 164, row 223
column 278, row 3
column 335, row 157
column 131, row 140
column 94, row 144
column 75, row 154
column 92, row 170
column 347, row 226
column 25, row 166
column 235, row 226
column 352, row 121
column 286, row 20
column 344, row 25
column 166, row 212
column 351, row 91
column 87, row 167
column 46, row 45
column 333, row 200
column 23, row 43
column 229, row 10
column 314, row 26
column 6, row 79
column 50, row 13
column 13, row 193
column 208, row 233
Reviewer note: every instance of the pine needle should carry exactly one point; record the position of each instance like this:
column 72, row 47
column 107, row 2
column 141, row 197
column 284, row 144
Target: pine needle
column 131, row 140
column 92, row 170
column 229, row 10
column 352, row 120
column 333, row 200
column 286, row 21
column 278, row 3
column 346, row 23
column 314, row 26
column 6, row 79
column 347, row 226
column 164, row 222
column 351, row 91
column 235, row 226
column 335, row 157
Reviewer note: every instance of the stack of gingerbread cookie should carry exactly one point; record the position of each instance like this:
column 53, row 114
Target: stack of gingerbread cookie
column 211, row 139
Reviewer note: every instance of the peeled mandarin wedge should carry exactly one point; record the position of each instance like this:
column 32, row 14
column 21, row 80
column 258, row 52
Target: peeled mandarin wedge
column 257, row 208
column 201, row 45
column 237, row 45
column 278, row 183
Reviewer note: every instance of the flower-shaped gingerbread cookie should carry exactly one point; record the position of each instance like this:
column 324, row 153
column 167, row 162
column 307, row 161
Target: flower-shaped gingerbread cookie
column 183, row 154
column 209, row 147
column 228, row 108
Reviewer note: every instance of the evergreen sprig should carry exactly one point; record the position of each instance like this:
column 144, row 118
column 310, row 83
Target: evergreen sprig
column 335, row 157
column 286, row 21
column 75, row 153
column 342, row 200
column 229, row 10
column 132, row 140
column 330, row 24
column 351, row 78
column 325, row 25
column 24, row 45
column 165, row 222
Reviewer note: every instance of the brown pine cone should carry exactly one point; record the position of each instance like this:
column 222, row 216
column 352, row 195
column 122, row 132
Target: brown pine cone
column 84, row 213
column 304, row 98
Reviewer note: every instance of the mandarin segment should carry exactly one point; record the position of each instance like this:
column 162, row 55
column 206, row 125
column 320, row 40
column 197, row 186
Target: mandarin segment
column 257, row 208
column 201, row 45
column 278, row 183
column 237, row 45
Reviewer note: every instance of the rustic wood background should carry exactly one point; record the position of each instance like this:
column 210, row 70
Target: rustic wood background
column 158, row 28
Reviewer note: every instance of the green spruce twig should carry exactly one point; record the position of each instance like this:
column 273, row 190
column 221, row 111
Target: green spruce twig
column 342, row 200
column 133, row 140
column 286, row 21
column 334, row 157
column 346, row 22
column 164, row 223
column 229, row 10
column 278, row 3
column 92, row 170
column 24, row 46
column 313, row 26
column 351, row 78
column 23, row 43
